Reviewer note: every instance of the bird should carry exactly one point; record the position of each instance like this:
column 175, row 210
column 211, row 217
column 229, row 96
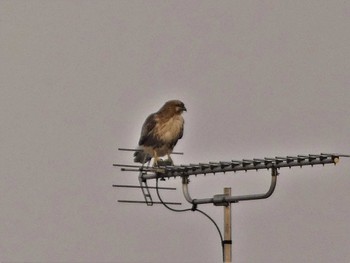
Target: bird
column 160, row 133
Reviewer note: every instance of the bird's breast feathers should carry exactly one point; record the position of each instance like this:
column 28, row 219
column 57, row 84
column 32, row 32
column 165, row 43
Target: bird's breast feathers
column 170, row 130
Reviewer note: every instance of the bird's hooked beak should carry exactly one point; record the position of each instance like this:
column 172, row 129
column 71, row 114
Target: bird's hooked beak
column 184, row 108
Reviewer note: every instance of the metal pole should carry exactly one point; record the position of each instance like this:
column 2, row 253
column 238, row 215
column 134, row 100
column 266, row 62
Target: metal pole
column 227, row 229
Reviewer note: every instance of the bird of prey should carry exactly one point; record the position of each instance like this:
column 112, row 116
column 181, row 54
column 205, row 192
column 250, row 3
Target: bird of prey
column 160, row 132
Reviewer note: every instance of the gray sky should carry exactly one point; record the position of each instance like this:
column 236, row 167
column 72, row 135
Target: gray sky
column 259, row 79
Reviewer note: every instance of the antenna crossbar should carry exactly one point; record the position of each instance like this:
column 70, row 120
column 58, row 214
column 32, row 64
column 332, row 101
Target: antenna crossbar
column 140, row 150
column 138, row 186
column 244, row 165
column 144, row 202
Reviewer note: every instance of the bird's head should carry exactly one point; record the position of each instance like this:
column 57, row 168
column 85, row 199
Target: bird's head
column 176, row 105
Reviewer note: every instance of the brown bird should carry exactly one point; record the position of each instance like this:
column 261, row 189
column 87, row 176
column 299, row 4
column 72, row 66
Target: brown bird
column 160, row 132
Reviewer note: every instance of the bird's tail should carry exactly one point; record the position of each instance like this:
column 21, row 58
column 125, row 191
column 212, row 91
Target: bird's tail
column 141, row 157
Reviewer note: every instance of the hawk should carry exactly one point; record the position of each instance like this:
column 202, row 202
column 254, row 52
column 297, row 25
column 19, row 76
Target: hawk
column 160, row 132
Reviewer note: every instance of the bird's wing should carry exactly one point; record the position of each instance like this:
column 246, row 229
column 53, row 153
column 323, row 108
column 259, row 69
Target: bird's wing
column 147, row 132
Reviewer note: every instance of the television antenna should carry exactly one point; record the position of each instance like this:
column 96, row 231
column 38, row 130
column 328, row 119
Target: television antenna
column 168, row 170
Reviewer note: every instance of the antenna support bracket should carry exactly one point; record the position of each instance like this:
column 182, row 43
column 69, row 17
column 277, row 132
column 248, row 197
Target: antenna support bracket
column 224, row 200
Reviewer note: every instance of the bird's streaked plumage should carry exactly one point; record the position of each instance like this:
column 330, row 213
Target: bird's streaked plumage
column 161, row 131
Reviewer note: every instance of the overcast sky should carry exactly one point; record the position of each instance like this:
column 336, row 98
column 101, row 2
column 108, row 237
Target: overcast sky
column 259, row 79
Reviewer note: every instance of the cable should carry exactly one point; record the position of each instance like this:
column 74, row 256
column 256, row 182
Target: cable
column 170, row 208
column 193, row 209
column 217, row 228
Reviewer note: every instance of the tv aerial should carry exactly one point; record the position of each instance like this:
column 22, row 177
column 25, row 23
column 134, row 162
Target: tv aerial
column 164, row 170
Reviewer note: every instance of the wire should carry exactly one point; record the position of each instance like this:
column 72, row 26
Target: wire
column 217, row 228
column 170, row 208
column 193, row 209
